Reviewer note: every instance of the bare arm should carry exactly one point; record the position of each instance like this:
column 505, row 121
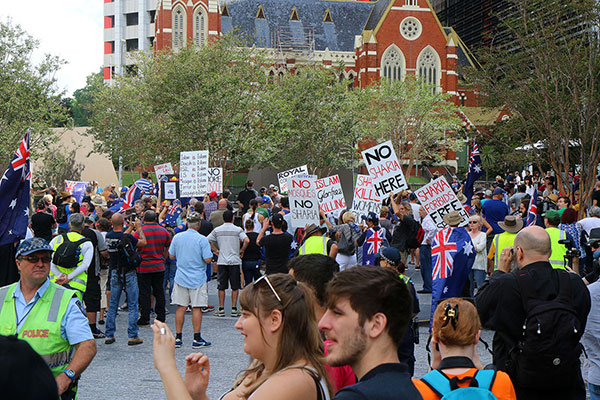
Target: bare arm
column 395, row 207
column 84, row 353
column 489, row 230
column 262, row 231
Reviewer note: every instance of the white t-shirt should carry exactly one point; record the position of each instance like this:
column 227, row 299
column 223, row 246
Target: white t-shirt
column 590, row 223
column 479, row 242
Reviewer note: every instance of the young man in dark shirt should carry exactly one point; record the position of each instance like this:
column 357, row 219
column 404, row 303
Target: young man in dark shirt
column 368, row 311
column 246, row 195
column 277, row 245
column 42, row 222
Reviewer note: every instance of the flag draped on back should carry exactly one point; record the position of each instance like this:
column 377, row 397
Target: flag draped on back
column 374, row 241
column 475, row 172
column 76, row 189
column 532, row 210
column 173, row 212
column 14, row 196
column 452, row 257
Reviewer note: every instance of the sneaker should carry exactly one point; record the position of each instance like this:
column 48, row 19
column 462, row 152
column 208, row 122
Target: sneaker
column 220, row 312
column 101, row 322
column 235, row 312
column 109, row 340
column 196, row 344
column 133, row 342
column 98, row 334
column 208, row 308
column 178, row 343
column 143, row 323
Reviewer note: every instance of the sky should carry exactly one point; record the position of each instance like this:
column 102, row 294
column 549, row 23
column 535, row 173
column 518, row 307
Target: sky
column 70, row 29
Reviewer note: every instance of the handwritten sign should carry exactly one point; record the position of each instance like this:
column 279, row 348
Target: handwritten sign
column 193, row 179
column 163, row 169
column 215, row 180
column 384, row 169
column 438, row 199
column 330, row 194
column 283, row 177
column 304, row 203
column 364, row 200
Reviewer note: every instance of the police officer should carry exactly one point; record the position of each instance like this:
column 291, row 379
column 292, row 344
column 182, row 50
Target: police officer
column 511, row 226
column 73, row 278
column 48, row 316
column 552, row 220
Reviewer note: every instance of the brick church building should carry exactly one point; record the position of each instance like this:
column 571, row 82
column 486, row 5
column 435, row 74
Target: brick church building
column 371, row 39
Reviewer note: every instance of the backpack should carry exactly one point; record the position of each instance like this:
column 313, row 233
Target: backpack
column 129, row 258
column 61, row 213
column 417, row 235
column 67, row 253
column 448, row 389
column 547, row 354
column 347, row 246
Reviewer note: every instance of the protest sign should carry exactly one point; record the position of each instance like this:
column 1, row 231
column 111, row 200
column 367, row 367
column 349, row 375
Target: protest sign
column 283, row 177
column 384, row 169
column 215, row 180
column 193, row 177
column 364, row 199
column 169, row 187
column 304, row 204
column 438, row 199
column 330, row 194
column 163, row 169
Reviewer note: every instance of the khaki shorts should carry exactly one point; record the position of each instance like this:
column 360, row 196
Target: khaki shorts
column 103, row 280
column 196, row 297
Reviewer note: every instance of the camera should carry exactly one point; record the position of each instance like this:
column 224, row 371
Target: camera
column 568, row 243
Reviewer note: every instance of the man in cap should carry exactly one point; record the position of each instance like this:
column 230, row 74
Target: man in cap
column 559, row 251
column 315, row 242
column 49, row 317
column 511, row 226
column 193, row 254
column 210, row 203
column 73, row 255
column 373, row 239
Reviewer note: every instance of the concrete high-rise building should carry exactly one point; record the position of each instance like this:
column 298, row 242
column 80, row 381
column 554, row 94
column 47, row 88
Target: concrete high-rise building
column 128, row 26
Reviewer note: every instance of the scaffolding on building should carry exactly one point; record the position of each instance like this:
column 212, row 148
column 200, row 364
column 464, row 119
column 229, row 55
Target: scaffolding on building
column 293, row 42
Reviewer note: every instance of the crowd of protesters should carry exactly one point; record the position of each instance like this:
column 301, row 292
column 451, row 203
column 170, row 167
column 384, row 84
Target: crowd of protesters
column 329, row 309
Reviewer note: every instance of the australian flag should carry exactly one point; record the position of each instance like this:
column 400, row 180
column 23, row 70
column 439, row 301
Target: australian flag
column 475, row 172
column 532, row 210
column 452, row 257
column 14, row 196
column 76, row 189
column 173, row 212
column 133, row 194
column 375, row 240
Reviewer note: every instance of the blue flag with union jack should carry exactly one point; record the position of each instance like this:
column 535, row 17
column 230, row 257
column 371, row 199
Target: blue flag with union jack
column 14, row 196
column 452, row 257
column 76, row 189
column 532, row 210
column 475, row 172
column 375, row 240
column 173, row 212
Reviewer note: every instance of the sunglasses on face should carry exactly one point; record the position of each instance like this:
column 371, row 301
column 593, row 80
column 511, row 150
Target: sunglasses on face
column 265, row 278
column 35, row 259
column 473, row 222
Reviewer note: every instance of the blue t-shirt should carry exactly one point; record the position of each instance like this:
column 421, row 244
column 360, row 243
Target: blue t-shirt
column 494, row 211
column 112, row 241
column 191, row 249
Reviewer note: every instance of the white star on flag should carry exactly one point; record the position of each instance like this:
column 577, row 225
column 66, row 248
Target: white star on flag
column 10, row 232
column 368, row 262
column 294, row 245
column 445, row 289
column 477, row 168
column 26, row 212
column 13, row 203
column 468, row 248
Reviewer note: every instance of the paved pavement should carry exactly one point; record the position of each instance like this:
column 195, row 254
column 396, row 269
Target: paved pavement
column 127, row 372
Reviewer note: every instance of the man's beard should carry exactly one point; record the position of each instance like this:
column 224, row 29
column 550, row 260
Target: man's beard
column 352, row 350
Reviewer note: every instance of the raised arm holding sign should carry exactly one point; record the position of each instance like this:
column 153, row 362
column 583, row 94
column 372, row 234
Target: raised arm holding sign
column 384, row 169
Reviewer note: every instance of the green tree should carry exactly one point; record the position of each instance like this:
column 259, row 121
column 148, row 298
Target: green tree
column 421, row 122
column 310, row 117
column 29, row 98
column 81, row 105
column 547, row 74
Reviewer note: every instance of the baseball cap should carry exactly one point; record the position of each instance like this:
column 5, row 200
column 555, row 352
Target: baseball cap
column 498, row 191
column 277, row 217
column 551, row 214
column 32, row 245
column 371, row 217
column 193, row 217
column 266, row 199
column 390, row 254
column 212, row 195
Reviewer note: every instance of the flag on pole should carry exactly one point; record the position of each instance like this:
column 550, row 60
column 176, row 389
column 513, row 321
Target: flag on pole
column 76, row 189
column 452, row 258
column 133, row 194
column 14, row 196
column 532, row 210
column 475, row 172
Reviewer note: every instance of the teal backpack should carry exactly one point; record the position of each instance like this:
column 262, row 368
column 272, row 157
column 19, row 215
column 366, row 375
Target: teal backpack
column 447, row 388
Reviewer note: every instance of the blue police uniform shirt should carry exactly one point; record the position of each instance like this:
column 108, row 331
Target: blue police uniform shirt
column 74, row 327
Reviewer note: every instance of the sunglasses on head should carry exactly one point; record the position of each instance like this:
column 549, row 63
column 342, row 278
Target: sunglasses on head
column 265, row 278
column 35, row 259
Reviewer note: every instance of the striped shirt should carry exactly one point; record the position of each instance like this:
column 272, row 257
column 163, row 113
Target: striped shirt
column 146, row 185
column 153, row 253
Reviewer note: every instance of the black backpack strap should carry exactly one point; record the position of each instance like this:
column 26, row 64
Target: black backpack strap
column 564, row 287
column 526, row 288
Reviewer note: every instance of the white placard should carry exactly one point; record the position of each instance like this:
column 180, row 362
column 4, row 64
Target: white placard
column 170, row 190
column 364, row 200
column 283, row 177
column 163, row 169
column 438, row 199
column 304, row 204
column 330, row 194
column 215, row 180
column 193, row 179
column 384, row 169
